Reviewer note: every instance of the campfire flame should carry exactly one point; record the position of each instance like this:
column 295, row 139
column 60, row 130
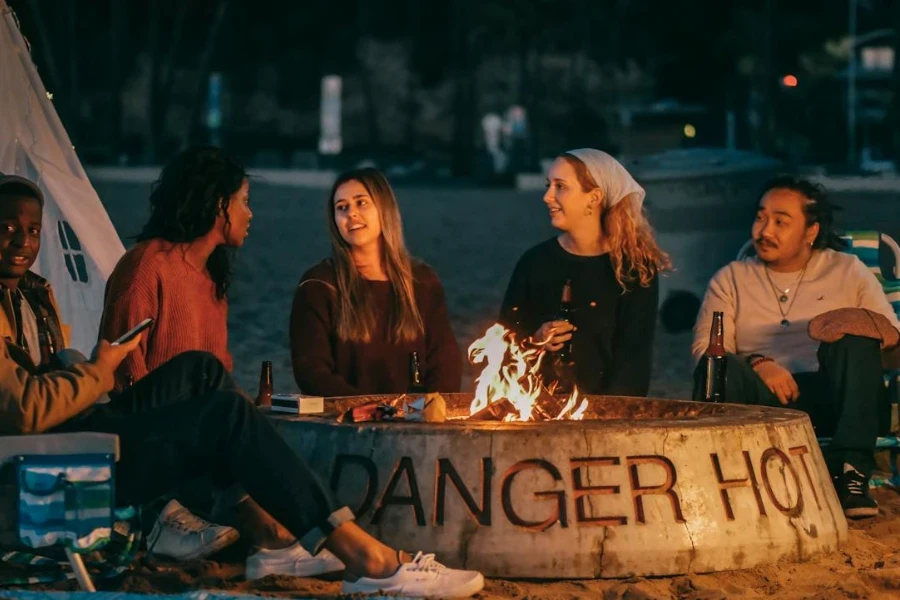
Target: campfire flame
column 511, row 372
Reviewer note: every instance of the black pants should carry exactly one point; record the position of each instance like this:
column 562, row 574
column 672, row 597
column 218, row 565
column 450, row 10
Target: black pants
column 185, row 421
column 842, row 399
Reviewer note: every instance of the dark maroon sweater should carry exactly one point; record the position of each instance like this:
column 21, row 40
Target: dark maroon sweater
column 328, row 366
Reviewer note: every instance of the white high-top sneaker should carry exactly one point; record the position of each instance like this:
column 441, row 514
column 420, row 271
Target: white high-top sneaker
column 293, row 560
column 179, row 534
column 424, row 577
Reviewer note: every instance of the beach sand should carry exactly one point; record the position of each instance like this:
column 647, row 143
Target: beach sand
column 473, row 239
column 868, row 566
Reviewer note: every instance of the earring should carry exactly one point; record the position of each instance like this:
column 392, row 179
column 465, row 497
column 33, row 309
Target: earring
column 588, row 211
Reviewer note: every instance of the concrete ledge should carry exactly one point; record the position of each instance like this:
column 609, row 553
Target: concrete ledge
column 641, row 488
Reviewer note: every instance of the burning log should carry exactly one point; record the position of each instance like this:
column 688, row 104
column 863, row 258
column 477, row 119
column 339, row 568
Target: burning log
column 495, row 411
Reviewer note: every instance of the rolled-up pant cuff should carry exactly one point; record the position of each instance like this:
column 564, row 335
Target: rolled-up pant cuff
column 314, row 540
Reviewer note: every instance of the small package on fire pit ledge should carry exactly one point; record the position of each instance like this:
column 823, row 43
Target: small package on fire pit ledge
column 370, row 411
column 431, row 408
column 298, row 404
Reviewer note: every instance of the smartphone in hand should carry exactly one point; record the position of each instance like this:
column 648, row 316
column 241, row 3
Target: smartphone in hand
column 129, row 335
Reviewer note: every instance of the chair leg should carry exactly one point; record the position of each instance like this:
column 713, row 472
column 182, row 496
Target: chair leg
column 81, row 573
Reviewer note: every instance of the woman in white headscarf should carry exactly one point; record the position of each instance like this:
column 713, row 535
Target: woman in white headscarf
column 607, row 251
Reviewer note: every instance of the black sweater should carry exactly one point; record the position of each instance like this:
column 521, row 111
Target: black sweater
column 613, row 347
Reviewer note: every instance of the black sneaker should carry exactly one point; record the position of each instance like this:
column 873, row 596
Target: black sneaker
column 853, row 491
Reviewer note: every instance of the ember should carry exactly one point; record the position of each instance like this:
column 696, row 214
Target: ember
column 510, row 387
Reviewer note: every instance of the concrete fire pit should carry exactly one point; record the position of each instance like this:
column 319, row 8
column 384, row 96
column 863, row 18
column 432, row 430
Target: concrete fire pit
column 640, row 487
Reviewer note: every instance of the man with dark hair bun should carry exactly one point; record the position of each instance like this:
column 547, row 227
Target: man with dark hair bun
column 799, row 277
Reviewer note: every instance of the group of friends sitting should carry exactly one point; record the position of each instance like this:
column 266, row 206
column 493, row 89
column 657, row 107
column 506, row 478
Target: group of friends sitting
column 359, row 314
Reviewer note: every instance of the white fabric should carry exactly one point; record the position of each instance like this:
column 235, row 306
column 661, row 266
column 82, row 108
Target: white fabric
column 751, row 317
column 613, row 179
column 34, row 144
column 30, row 329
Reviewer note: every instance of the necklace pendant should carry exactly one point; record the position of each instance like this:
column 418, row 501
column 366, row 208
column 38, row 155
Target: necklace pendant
column 785, row 322
column 783, row 298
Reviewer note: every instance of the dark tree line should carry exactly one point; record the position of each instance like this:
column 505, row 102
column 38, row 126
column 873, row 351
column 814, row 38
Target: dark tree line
column 130, row 78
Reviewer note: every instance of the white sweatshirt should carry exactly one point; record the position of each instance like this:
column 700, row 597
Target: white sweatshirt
column 750, row 305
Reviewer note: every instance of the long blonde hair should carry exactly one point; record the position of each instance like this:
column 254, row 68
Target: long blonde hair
column 356, row 316
column 635, row 255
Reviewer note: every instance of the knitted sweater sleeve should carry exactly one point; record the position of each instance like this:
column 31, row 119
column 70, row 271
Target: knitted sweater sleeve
column 132, row 295
column 311, row 341
column 443, row 364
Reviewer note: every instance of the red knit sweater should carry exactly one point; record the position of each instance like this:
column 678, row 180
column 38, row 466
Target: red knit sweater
column 328, row 366
column 153, row 279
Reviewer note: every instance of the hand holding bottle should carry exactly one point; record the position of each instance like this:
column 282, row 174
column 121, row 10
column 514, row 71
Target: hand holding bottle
column 553, row 335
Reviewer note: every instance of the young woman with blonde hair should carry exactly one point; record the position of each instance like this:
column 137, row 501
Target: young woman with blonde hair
column 358, row 317
column 607, row 251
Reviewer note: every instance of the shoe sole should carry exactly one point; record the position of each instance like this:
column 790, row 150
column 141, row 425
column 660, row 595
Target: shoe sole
column 463, row 591
column 312, row 571
column 861, row 513
column 223, row 541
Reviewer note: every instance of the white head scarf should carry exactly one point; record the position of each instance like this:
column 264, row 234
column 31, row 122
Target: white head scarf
column 616, row 183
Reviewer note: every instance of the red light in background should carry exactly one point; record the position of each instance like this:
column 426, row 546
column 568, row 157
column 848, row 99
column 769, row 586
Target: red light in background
column 789, row 81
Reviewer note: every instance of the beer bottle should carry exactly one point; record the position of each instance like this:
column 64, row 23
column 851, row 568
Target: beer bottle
column 416, row 386
column 264, row 397
column 714, row 361
column 47, row 343
column 564, row 359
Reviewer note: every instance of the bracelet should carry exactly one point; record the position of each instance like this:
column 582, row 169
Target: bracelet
column 758, row 361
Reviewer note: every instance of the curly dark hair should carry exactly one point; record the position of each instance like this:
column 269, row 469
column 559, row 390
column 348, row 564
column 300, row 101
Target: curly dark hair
column 818, row 208
column 186, row 199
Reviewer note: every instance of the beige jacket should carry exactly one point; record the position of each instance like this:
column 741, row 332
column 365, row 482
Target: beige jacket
column 32, row 403
column 39, row 290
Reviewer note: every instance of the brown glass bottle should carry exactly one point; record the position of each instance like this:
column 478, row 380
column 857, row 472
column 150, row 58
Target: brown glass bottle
column 47, row 343
column 714, row 362
column 264, row 397
column 416, row 385
column 564, row 359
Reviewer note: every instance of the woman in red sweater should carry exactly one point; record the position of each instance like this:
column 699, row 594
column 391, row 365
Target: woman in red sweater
column 358, row 317
column 179, row 271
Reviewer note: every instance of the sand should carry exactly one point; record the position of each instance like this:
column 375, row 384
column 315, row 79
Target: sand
column 868, row 566
column 473, row 238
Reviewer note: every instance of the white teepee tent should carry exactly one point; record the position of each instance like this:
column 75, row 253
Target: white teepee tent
column 79, row 246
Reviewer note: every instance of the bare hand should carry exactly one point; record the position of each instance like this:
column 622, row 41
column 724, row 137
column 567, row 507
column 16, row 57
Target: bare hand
column 553, row 334
column 110, row 357
column 779, row 381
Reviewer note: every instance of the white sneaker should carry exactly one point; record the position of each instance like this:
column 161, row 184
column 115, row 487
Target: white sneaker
column 293, row 560
column 181, row 535
column 424, row 577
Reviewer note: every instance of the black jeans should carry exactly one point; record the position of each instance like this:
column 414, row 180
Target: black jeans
column 186, row 420
column 842, row 399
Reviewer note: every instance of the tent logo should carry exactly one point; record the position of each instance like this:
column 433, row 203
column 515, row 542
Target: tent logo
column 72, row 254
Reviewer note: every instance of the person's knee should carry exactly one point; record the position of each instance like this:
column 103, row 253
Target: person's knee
column 202, row 360
column 230, row 406
column 856, row 345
